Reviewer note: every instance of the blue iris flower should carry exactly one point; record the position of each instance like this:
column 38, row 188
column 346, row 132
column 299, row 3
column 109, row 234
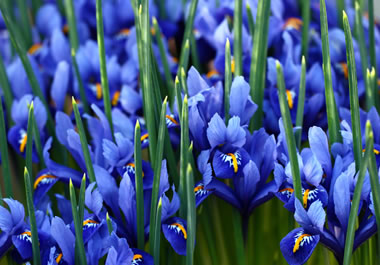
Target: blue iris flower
column 17, row 135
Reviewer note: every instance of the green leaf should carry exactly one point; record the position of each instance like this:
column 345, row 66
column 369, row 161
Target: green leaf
column 157, row 233
column 184, row 159
column 227, row 81
column 79, row 245
column 194, row 52
column 238, row 234
column 290, row 141
column 5, row 166
column 350, row 234
column 29, row 139
column 238, row 24
column 165, row 63
column 177, row 88
column 305, row 27
column 259, row 61
column 191, row 216
column 301, row 103
column 331, row 109
column 375, row 185
column 84, row 143
column 183, row 61
column 6, row 88
column 251, row 22
column 139, row 188
column 72, row 23
column 359, row 34
column 37, row 141
column 157, row 174
column 25, row 22
column 372, row 44
column 109, row 224
column 32, row 218
column 341, row 6
column 182, row 78
column 353, row 89
column 103, row 63
column 82, row 192
column 82, row 93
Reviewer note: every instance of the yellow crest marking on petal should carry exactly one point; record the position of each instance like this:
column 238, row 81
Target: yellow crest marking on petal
column 212, row 73
column 305, row 197
column 289, row 97
column 89, row 221
column 98, row 90
column 23, row 143
column 298, row 242
column 181, row 228
column 137, row 256
column 143, row 137
column 40, row 178
column 293, row 22
column 115, row 98
column 344, row 69
column 234, row 162
column 287, row 189
column 197, row 188
column 171, row 119
column 58, row 259
column 34, row 48
column 232, row 65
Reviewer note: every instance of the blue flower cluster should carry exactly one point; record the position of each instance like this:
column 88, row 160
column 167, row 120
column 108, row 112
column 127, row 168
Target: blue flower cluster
column 242, row 167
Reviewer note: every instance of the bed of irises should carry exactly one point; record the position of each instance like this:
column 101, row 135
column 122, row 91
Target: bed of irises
column 189, row 132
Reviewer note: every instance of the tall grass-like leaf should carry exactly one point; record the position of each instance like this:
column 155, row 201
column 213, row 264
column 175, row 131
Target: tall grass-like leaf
column 238, row 25
column 372, row 43
column 16, row 42
column 109, row 224
column 183, row 82
column 350, row 234
column 374, row 178
column 79, row 245
column 157, row 233
column 251, row 22
column 103, row 63
column 227, row 81
column 301, row 103
column 191, row 216
column 375, row 85
column 82, row 93
column 144, row 50
column 5, row 166
column 157, row 174
column 37, row 141
column 6, row 88
column 29, row 139
column 84, row 142
column 353, row 87
column 259, row 60
column 238, row 234
column 188, row 31
column 139, row 187
column 331, row 108
column 290, row 141
column 305, row 27
column 186, row 56
column 359, row 33
column 71, row 20
column 32, row 218
column 184, row 159
column 36, row 4
column 165, row 63
column 341, row 6
column 25, row 22
column 81, row 200
column 177, row 88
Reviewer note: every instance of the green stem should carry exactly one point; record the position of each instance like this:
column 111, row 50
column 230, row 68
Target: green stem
column 227, row 81
column 259, row 60
column 157, row 231
column 191, row 216
column 84, row 143
column 290, row 141
column 32, row 218
column 331, row 108
column 139, row 188
column 301, row 103
column 353, row 89
column 184, row 159
column 73, row 32
column 5, row 166
column 305, row 28
column 103, row 63
column 238, row 24
column 82, row 92
column 251, row 22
